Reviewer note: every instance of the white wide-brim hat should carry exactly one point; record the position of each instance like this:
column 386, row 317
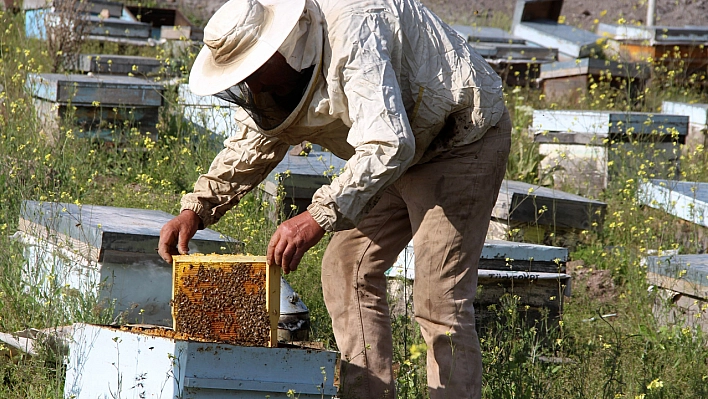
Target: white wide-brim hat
column 238, row 39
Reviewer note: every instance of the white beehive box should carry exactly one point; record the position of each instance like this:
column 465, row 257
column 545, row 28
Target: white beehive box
column 131, row 363
column 584, row 149
column 297, row 177
column 537, row 21
column 683, row 199
column 105, row 252
column 697, row 117
column 532, row 213
column 210, row 113
column 683, row 284
column 536, row 273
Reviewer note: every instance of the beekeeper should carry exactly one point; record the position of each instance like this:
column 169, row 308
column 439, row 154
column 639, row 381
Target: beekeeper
column 421, row 121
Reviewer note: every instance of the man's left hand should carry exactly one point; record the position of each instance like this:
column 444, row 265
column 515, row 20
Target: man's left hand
column 292, row 239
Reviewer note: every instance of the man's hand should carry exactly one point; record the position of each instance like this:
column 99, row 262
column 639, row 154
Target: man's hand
column 292, row 239
column 176, row 233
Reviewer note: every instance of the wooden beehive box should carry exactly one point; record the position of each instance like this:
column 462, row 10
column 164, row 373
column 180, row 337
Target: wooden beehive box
column 535, row 273
column 684, row 47
column 111, row 64
column 144, row 362
column 683, row 284
column 535, row 214
column 233, row 299
column 585, row 149
column 104, row 104
column 537, row 21
column 514, row 59
column 167, row 23
column 683, row 199
column 572, row 79
column 209, row 113
column 697, row 117
column 106, row 254
column 300, row 176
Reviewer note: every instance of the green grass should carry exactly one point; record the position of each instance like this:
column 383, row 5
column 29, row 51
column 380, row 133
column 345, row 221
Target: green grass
column 627, row 356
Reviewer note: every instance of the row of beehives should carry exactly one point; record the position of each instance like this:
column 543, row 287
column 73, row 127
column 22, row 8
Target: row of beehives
column 108, row 21
column 566, row 59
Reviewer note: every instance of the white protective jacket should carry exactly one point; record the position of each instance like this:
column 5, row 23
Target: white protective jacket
column 389, row 73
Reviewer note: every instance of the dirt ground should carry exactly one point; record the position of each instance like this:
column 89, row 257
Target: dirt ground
column 499, row 12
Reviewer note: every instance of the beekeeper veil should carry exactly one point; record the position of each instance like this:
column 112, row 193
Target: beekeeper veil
column 302, row 51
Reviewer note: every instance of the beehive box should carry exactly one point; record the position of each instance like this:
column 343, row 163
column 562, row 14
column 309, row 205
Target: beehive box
column 584, row 149
column 697, row 118
column 143, row 363
column 300, row 176
column 683, row 47
column 537, row 21
column 683, row 284
column 514, row 59
column 104, row 255
column 112, row 8
column 571, row 80
column 535, row 273
column 167, row 23
column 110, row 64
column 532, row 213
column 683, row 199
column 233, row 299
column 209, row 113
column 106, row 105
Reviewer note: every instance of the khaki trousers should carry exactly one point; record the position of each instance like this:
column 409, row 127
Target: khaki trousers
column 445, row 206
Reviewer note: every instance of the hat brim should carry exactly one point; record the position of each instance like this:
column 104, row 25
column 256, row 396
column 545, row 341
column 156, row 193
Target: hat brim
column 207, row 77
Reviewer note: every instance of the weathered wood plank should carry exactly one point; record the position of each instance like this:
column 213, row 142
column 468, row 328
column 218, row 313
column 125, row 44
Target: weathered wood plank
column 113, row 8
column 167, row 23
column 687, row 274
column 622, row 125
column 655, row 34
column 685, row 200
column 109, row 228
column 569, row 40
column 520, row 202
column 301, row 176
column 698, row 121
column 116, row 64
column 595, row 67
column 485, row 34
column 497, row 255
column 103, row 123
column 106, row 90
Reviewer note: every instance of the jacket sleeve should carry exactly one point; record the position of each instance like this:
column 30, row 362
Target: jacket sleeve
column 380, row 132
column 245, row 161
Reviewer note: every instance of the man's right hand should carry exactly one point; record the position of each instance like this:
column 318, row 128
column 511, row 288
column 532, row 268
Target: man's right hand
column 175, row 235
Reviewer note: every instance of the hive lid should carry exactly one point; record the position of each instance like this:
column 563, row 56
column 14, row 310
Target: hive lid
column 687, row 274
column 606, row 123
column 104, row 228
column 105, row 90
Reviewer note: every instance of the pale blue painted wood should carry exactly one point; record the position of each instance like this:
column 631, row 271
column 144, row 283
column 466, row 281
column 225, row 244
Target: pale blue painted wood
column 569, row 40
column 604, row 123
column 106, row 362
column 659, row 34
column 485, row 34
column 594, row 66
column 494, row 250
column 113, row 229
column 317, row 164
column 685, row 200
column 691, row 270
column 107, row 90
column 697, row 113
